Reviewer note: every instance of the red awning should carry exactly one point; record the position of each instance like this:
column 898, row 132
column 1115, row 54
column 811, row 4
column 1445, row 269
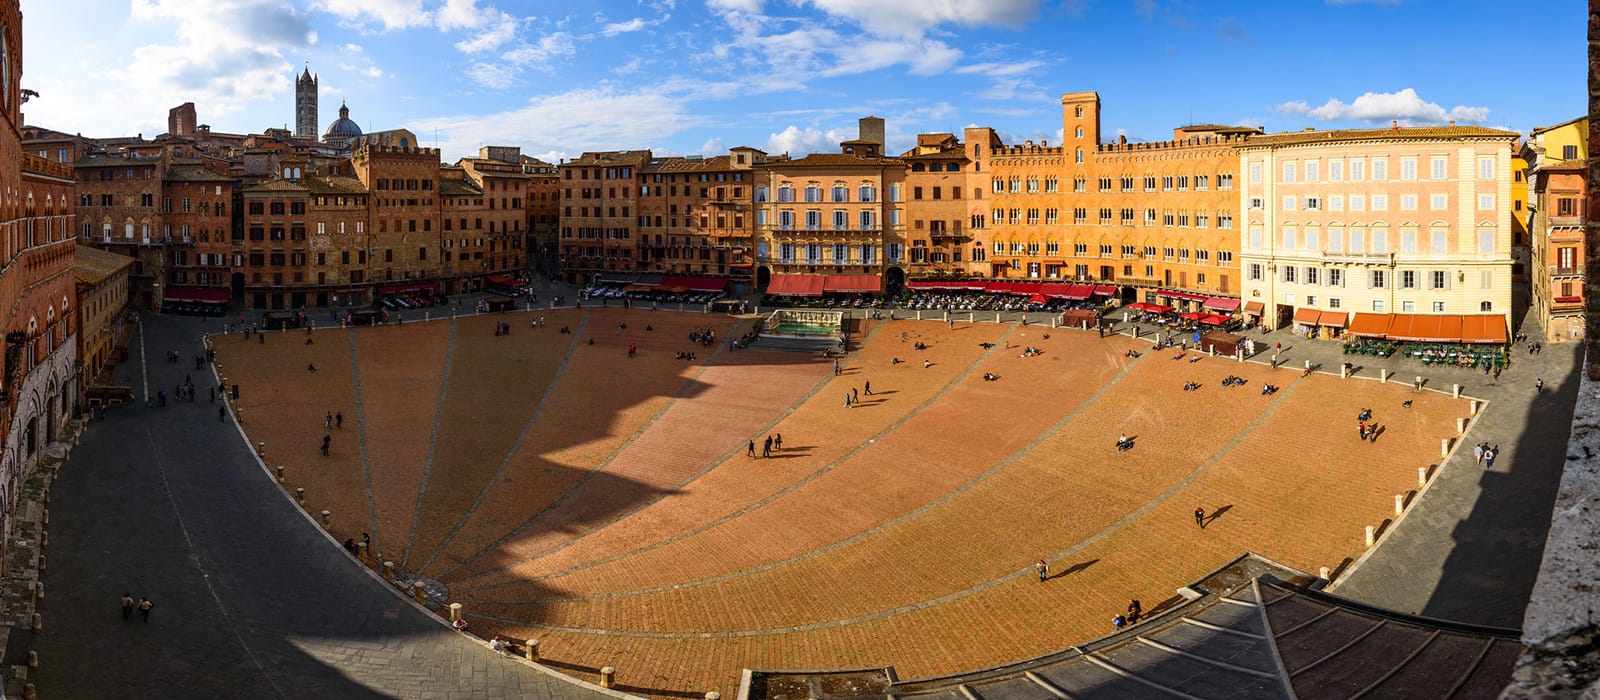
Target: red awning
column 1192, row 316
column 1215, row 320
column 1027, row 287
column 1371, row 325
column 1186, row 296
column 1334, row 319
column 934, row 284
column 795, row 286
column 852, row 284
column 1054, row 289
column 504, row 281
column 1254, row 308
column 1483, row 329
column 998, row 287
column 1307, row 316
column 1079, row 292
column 1221, row 304
column 976, row 285
column 203, row 295
column 407, row 287
column 1568, row 300
column 694, row 283
column 1038, row 299
column 1152, row 308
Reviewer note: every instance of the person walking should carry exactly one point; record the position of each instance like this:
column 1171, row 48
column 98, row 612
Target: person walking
column 1119, row 622
column 855, row 395
column 835, row 368
column 847, row 399
column 1488, row 457
column 1477, row 452
column 777, row 441
column 222, row 414
column 867, row 387
column 751, row 452
column 1200, row 517
column 1538, row 384
column 144, row 608
column 1043, row 569
column 327, row 421
column 127, row 607
column 766, row 447
column 338, row 420
column 327, row 444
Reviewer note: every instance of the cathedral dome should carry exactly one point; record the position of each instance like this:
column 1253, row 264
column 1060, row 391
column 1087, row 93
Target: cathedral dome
column 343, row 127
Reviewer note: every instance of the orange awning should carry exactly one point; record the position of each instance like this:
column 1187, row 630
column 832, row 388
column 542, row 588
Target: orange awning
column 1483, row 329
column 1371, row 325
column 1254, row 308
column 1447, row 329
column 1307, row 316
column 1332, row 318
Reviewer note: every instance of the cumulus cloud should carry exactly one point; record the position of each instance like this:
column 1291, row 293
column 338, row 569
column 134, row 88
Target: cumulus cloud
column 565, row 124
column 499, row 30
column 1379, row 107
column 632, row 25
column 797, row 141
column 538, row 55
column 913, row 18
column 391, row 14
column 713, row 147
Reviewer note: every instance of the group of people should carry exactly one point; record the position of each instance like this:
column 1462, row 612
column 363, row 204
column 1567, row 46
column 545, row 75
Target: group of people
column 773, row 442
column 1366, row 428
column 502, row 328
column 1486, row 454
column 143, row 605
column 1132, row 617
column 704, row 336
column 1124, row 443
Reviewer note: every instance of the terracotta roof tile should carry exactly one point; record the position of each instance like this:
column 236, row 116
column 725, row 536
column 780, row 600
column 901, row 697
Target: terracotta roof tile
column 91, row 265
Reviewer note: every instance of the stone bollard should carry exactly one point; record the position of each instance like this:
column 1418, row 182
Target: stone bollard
column 1444, row 447
column 713, row 695
column 1422, row 476
column 419, row 593
column 41, row 562
column 44, row 538
column 426, row 316
column 29, row 693
column 455, row 612
column 238, row 415
column 1417, row 383
column 1308, row 365
column 38, row 590
column 1324, row 572
column 280, row 473
column 1274, row 363
column 1455, row 391
column 1461, row 426
column 388, row 571
column 46, row 516
column 1124, row 317
column 325, row 515
column 608, row 677
column 1344, row 372
column 33, row 659
column 37, row 622
column 300, row 495
column 997, row 318
column 1383, row 376
column 530, row 649
column 1399, row 503
column 1472, row 408
column 261, row 448
column 1371, row 535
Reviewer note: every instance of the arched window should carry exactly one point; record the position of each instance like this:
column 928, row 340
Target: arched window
column 1078, row 157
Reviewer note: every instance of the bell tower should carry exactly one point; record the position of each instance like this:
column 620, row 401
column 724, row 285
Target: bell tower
column 305, row 105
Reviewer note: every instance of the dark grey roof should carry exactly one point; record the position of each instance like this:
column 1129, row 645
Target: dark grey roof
column 1253, row 629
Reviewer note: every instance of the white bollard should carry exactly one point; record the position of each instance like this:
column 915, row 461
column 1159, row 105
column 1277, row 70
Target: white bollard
column 1422, row 476
column 1456, row 391
column 1308, row 365
column 1399, row 503
column 1383, row 376
column 1371, row 535
column 1324, row 572
column 1472, row 408
column 1444, row 447
column 1461, row 426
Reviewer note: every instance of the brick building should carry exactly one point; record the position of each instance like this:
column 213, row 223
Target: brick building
column 695, row 215
column 599, row 206
column 543, row 205
column 947, row 186
column 1558, row 187
column 101, row 295
column 403, row 215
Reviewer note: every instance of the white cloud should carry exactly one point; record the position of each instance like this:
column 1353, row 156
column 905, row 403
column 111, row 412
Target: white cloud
column 373, row 72
column 538, row 55
column 797, row 141
column 562, row 125
column 632, row 25
column 713, row 147
column 501, row 29
column 352, row 48
column 461, row 14
column 749, row 6
column 1379, row 107
column 912, row 18
column 392, row 14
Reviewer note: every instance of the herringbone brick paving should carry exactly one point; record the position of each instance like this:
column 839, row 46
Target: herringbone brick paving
column 898, row 532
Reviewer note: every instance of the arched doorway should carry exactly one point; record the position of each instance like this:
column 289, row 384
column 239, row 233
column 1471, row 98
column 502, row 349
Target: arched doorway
column 894, row 280
column 763, row 278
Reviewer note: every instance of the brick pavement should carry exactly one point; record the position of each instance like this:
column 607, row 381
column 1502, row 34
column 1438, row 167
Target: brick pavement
column 251, row 600
column 847, row 578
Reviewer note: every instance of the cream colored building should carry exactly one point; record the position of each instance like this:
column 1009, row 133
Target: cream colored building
column 1403, row 220
column 102, row 303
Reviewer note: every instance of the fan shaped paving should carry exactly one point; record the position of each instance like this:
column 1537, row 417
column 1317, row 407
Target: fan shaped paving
column 606, row 505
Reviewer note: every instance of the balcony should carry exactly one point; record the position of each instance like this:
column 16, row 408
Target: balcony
column 1359, row 258
column 1558, row 271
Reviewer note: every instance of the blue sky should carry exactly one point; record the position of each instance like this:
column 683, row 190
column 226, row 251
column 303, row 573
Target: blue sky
column 559, row 77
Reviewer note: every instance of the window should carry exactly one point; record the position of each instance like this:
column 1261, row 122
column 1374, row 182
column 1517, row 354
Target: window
column 1408, row 202
column 866, row 193
column 1486, row 166
column 1566, row 206
column 1408, row 306
column 1288, row 171
column 1335, row 171
column 868, row 221
column 1358, row 202
column 1436, row 167
column 1357, row 170
column 1225, row 182
column 1033, row 185
column 1380, row 240
column 785, row 193
column 841, row 220
column 1380, row 169
column 1438, row 279
column 1256, row 203
column 841, row 193
column 1437, row 202
column 1440, row 239
column 894, row 192
column 813, row 193
column 1313, row 170
column 1313, row 276
column 1255, row 237
column 1377, row 305
column 1312, row 239
column 1289, row 273
column 1255, row 271
column 1336, row 279
column 1313, row 203
column 1378, row 280
column 1485, row 201
column 785, row 219
column 1408, row 168
column 1486, row 240
column 1336, row 202
column 1333, row 303
column 1288, row 202
column 1289, row 237
column 1380, row 202
column 1486, row 306
column 1078, row 156
column 1408, row 240
column 1408, row 279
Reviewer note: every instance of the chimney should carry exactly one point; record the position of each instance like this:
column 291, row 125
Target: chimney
column 1452, row 122
column 1394, row 124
